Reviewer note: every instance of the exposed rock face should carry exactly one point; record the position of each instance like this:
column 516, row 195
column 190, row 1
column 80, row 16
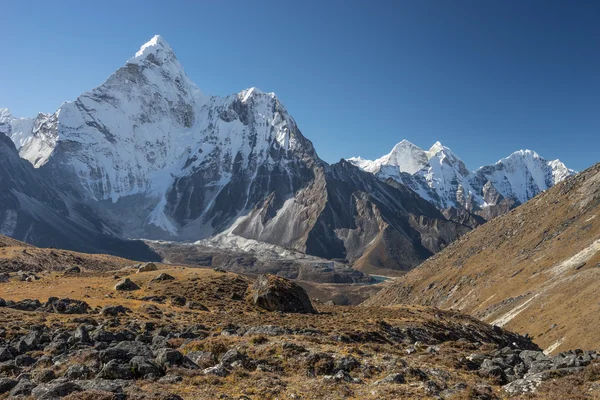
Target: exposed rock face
column 274, row 293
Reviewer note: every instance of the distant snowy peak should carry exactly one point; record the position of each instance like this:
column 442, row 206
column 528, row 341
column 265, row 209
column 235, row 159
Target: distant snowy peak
column 405, row 156
column 441, row 177
column 20, row 130
column 156, row 46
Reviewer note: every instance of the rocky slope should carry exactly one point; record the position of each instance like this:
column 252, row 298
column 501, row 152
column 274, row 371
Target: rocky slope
column 533, row 270
column 442, row 178
column 153, row 157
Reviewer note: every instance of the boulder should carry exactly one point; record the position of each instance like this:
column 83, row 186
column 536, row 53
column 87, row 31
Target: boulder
column 26, row 305
column 178, row 301
column 274, row 293
column 145, row 368
column 113, row 311
column 114, row 369
column 126, row 285
column 66, row 306
column 147, row 267
column 196, row 305
column 392, row 379
column 168, row 358
column 7, row 384
column 55, row 390
column 78, row 371
column 73, row 270
column 43, row 376
column 23, row 388
column 163, row 277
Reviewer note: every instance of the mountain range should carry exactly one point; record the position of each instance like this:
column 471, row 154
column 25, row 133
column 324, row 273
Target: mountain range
column 147, row 155
column 442, row 178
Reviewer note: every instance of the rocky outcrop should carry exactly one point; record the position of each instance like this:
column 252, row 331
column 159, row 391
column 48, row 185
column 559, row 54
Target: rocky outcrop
column 274, row 293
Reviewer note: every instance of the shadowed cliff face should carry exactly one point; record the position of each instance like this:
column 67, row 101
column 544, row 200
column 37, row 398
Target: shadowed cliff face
column 33, row 211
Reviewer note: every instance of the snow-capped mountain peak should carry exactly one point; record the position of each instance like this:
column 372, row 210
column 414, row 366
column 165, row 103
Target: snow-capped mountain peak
column 157, row 48
column 404, row 157
column 444, row 180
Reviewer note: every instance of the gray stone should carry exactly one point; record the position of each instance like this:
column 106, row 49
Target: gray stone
column 392, row 379
column 23, row 388
column 145, row 368
column 7, row 384
column 78, row 371
column 126, row 285
column 114, row 311
column 115, row 369
column 163, row 277
column 53, row 390
column 217, row 370
column 43, row 376
column 147, row 267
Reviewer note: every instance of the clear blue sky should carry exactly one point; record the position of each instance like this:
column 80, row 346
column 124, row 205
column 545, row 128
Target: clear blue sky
column 483, row 77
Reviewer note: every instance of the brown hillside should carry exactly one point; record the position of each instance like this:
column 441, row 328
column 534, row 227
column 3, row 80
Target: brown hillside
column 534, row 270
column 19, row 256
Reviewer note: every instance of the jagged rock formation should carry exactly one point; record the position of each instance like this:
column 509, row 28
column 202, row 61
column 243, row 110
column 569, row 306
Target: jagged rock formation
column 442, row 178
column 534, row 270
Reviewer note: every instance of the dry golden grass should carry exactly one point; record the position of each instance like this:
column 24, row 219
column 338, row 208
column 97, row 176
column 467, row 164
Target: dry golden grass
column 289, row 378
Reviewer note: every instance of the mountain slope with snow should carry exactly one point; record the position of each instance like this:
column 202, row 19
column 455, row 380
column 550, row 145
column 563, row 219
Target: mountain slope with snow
column 443, row 179
column 153, row 157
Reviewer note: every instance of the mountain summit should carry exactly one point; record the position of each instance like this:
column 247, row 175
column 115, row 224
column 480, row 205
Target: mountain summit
column 441, row 177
